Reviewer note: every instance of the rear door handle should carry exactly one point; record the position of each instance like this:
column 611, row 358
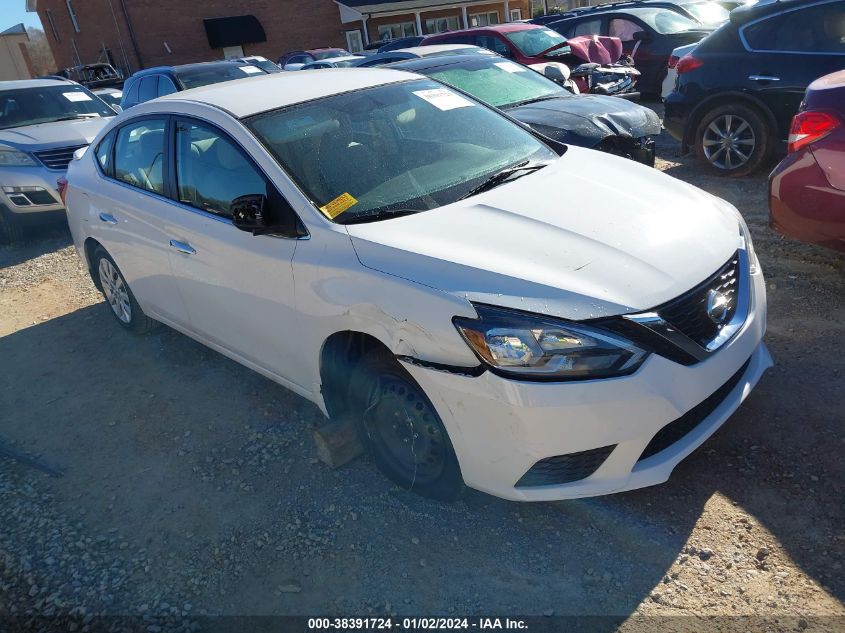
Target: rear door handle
column 183, row 247
column 763, row 78
column 108, row 218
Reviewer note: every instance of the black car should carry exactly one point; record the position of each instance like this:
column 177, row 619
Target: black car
column 151, row 83
column 599, row 122
column 737, row 92
column 649, row 33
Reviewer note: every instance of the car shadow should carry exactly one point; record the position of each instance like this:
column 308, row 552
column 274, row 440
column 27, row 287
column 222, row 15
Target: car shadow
column 201, row 461
column 37, row 241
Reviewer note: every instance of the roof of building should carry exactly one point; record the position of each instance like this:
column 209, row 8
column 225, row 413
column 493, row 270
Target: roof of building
column 17, row 29
column 245, row 97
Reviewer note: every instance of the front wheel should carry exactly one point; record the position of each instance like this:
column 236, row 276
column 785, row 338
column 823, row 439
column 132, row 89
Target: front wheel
column 733, row 140
column 403, row 431
column 119, row 297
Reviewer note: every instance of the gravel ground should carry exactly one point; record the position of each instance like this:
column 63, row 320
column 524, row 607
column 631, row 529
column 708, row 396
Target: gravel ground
column 190, row 485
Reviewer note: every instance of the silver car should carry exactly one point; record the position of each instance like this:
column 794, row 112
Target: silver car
column 42, row 123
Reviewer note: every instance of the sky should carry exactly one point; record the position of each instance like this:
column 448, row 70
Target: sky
column 13, row 12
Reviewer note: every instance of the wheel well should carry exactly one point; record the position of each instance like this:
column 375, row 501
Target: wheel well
column 703, row 108
column 341, row 351
column 90, row 246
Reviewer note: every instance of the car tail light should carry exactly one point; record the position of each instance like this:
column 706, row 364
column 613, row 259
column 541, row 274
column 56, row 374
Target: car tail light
column 62, row 186
column 673, row 61
column 688, row 63
column 810, row 126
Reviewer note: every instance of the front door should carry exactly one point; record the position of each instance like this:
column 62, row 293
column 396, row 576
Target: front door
column 238, row 288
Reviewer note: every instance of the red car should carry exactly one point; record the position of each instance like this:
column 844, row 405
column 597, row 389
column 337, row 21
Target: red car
column 807, row 189
column 525, row 43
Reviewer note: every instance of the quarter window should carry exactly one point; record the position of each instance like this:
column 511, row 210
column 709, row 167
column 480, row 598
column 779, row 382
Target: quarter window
column 104, row 154
column 816, row 29
column 211, row 171
column 139, row 155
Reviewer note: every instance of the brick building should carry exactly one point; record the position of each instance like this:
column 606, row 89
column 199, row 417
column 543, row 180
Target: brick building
column 135, row 34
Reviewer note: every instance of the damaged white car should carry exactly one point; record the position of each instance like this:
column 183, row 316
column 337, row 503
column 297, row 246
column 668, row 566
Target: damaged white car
column 399, row 253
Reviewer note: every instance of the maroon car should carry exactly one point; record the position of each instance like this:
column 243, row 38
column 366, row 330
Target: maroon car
column 807, row 189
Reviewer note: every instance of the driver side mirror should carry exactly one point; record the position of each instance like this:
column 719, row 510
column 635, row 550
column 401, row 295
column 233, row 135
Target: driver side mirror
column 256, row 214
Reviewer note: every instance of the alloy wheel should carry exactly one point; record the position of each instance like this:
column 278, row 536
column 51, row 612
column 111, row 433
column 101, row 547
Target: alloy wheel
column 115, row 291
column 728, row 141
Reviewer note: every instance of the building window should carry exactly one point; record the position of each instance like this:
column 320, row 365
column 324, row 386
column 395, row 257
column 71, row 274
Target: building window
column 516, row 15
column 52, row 24
column 72, row 15
column 392, row 31
column 441, row 25
column 484, row 19
column 354, row 42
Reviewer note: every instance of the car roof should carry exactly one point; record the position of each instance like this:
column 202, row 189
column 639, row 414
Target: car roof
column 421, row 64
column 19, row 84
column 322, row 50
column 748, row 12
column 344, row 58
column 248, row 96
column 433, row 49
column 499, row 28
column 187, row 67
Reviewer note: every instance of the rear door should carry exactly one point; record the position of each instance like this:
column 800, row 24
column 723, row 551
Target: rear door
column 237, row 287
column 788, row 50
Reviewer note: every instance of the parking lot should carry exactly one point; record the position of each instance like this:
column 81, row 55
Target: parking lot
column 190, row 484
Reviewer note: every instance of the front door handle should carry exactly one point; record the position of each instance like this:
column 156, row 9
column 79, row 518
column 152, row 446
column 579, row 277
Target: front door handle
column 763, row 78
column 108, row 218
column 183, row 247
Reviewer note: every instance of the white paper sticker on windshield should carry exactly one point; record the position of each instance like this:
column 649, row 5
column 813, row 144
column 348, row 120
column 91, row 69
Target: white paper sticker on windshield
column 76, row 96
column 250, row 70
column 443, row 99
column 510, row 67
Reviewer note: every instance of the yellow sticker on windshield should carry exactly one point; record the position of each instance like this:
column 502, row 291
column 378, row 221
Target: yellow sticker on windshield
column 338, row 205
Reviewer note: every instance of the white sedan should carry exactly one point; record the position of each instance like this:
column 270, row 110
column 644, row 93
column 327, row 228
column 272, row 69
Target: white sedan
column 492, row 309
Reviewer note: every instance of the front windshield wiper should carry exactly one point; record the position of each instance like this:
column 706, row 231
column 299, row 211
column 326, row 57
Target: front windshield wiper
column 380, row 214
column 564, row 93
column 523, row 168
column 78, row 115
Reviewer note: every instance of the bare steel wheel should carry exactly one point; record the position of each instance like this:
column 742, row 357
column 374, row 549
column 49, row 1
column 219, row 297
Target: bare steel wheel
column 733, row 140
column 405, row 435
column 118, row 295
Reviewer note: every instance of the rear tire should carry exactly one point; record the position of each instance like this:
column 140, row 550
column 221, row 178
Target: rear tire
column 402, row 430
column 733, row 140
column 11, row 230
column 119, row 298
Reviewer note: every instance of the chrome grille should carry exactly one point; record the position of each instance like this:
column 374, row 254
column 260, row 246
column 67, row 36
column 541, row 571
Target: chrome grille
column 57, row 158
column 688, row 313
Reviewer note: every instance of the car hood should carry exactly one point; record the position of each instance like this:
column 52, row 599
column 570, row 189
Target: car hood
column 590, row 235
column 586, row 120
column 57, row 134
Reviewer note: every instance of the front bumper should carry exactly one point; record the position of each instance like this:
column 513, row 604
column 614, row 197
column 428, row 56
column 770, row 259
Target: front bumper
column 37, row 187
column 500, row 428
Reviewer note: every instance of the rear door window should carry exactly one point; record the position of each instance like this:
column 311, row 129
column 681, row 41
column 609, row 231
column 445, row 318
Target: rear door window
column 139, row 154
column 814, row 29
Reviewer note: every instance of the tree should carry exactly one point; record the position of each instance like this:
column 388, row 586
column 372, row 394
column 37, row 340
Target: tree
column 40, row 54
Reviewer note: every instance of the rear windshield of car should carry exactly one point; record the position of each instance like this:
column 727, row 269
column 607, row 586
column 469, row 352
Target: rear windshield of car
column 205, row 76
column 405, row 147
column 664, row 21
column 266, row 65
column 532, row 42
column 329, row 54
column 62, row 102
column 499, row 83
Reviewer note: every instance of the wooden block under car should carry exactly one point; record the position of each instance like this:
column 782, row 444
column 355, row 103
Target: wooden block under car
column 337, row 442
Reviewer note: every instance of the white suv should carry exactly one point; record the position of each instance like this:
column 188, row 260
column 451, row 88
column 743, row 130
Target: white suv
column 493, row 309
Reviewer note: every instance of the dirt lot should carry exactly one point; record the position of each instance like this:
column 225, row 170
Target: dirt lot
column 191, row 486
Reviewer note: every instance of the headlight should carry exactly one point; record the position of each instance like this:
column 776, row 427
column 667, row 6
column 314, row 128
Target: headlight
column 535, row 347
column 753, row 262
column 11, row 157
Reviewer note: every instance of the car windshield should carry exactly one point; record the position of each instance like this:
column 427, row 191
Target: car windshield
column 499, row 83
column 387, row 150
column 328, row 54
column 346, row 63
column 664, row 21
column 205, row 76
column 62, row 102
column 265, row 64
column 532, row 42
column 112, row 98
column 708, row 12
